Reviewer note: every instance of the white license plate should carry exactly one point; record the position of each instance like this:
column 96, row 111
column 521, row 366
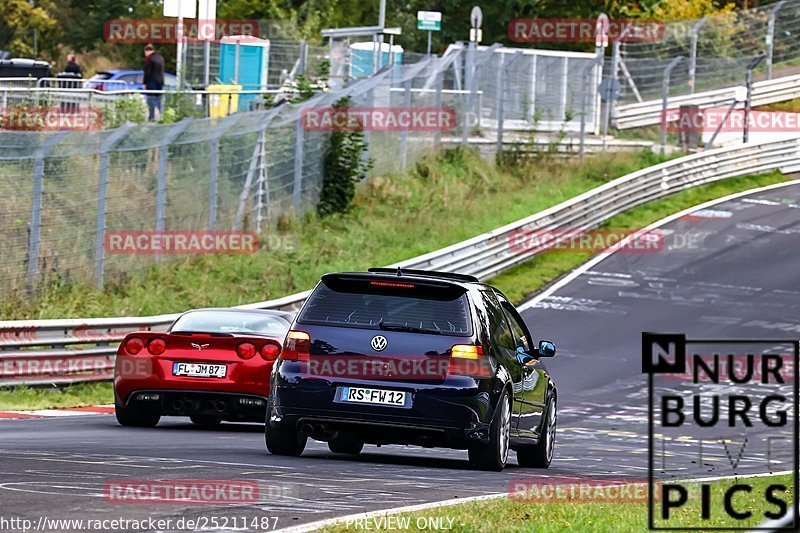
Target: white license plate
column 374, row 396
column 199, row 370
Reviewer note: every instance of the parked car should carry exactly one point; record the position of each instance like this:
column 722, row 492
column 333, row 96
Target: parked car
column 210, row 365
column 122, row 80
column 24, row 68
column 413, row 357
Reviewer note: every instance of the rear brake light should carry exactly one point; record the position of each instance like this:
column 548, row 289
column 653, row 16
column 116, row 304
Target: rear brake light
column 246, row 350
column 298, row 346
column 157, row 346
column 270, row 351
column 134, row 345
column 468, row 360
column 392, row 284
column 466, row 351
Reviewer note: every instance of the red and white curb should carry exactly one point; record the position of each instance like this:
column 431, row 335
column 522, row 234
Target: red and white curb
column 52, row 413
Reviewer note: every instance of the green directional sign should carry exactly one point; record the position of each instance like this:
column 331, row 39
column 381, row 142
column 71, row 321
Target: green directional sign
column 429, row 20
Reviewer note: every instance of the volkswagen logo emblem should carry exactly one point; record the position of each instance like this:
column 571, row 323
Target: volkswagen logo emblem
column 379, row 343
column 199, row 346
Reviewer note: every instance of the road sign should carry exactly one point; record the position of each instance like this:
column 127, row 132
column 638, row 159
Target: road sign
column 186, row 9
column 429, row 20
column 609, row 89
column 476, row 17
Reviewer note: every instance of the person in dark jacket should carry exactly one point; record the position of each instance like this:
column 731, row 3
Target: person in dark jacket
column 72, row 65
column 153, row 80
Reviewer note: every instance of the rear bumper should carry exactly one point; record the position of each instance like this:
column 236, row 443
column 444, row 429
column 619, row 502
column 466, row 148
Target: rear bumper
column 454, row 413
column 226, row 405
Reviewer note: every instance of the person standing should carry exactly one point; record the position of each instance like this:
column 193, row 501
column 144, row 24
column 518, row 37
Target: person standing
column 72, row 65
column 153, row 80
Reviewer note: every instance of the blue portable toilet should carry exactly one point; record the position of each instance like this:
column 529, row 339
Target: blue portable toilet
column 252, row 63
column 361, row 58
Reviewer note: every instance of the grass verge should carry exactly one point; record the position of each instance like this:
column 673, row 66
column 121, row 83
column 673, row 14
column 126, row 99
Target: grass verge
column 517, row 515
column 78, row 395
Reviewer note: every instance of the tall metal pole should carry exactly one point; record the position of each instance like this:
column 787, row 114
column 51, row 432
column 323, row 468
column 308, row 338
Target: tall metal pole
column 588, row 88
column 771, row 36
column 748, row 81
column 501, row 110
column 614, row 69
column 664, row 99
column 693, row 52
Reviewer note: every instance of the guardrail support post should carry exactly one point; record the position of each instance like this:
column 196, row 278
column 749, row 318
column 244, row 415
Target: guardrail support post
column 35, row 233
column 102, row 202
column 693, row 52
column 770, row 40
column 163, row 162
column 664, row 99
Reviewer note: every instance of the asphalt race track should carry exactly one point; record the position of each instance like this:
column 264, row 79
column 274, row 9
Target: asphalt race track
column 743, row 280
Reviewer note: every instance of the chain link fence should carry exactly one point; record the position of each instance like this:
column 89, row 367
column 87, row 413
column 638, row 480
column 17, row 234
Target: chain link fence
column 62, row 193
column 715, row 52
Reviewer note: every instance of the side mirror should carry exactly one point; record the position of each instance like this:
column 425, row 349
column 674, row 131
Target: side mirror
column 524, row 357
column 547, row 349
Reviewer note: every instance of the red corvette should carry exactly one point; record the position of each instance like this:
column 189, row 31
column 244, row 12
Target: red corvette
column 210, row 365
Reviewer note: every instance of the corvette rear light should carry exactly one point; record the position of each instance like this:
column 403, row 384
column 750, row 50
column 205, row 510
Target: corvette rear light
column 157, row 346
column 134, row 345
column 246, row 350
column 270, row 351
column 298, row 346
column 466, row 351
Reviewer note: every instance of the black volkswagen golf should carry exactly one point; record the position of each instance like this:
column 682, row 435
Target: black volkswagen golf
column 413, row 357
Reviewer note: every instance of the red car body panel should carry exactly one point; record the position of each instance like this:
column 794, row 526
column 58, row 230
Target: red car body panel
column 145, row 371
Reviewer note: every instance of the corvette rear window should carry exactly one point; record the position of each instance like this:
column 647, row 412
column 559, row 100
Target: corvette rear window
column 365, row 305
column 230, row 322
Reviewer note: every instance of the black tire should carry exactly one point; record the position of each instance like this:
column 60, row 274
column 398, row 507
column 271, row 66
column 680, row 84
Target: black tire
column 493, row 456
column 205, row 420
column 345, row 443
column 133, row 417
column 541, row 454
column 282, row 440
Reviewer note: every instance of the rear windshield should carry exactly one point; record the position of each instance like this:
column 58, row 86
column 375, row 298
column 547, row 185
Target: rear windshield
column 374, row 304
column 231, row 322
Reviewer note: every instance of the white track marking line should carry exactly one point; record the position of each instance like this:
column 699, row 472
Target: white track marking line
column 582, row 269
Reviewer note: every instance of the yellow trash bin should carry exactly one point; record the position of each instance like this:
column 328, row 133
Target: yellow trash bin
column 225, row 103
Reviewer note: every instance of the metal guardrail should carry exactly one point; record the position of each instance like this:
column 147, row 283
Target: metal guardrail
column 649, row 112
column 89, row 344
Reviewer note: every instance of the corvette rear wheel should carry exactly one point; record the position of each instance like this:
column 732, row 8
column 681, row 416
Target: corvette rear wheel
column 205, row 420
column 493, row 456
column 133, row 417
column 541, row 455
column 345, row 443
